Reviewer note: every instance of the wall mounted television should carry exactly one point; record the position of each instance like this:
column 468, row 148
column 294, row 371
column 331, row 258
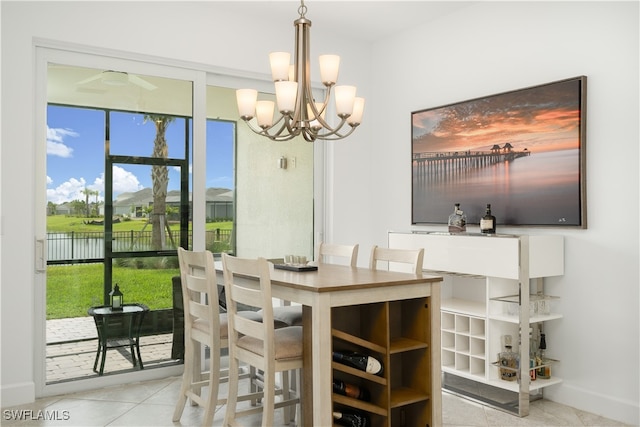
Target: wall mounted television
column 522, row 151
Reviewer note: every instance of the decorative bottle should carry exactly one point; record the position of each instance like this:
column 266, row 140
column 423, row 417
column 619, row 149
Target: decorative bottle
column 457, row 220
column 351, row 390
column 544, row 371
column 351, row 419
column 365, row 363
column 508, row 360
column 488, row 222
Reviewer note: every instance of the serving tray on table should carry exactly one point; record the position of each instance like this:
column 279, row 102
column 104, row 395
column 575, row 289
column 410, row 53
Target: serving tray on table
column 296, row 267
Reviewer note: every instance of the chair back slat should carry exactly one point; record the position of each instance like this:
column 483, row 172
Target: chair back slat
column 328, row 252
column 411, row 258
column 248, row 282
column 196, row 283
column 199, row 293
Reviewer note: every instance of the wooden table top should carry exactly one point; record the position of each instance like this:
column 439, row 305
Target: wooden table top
column 331, row 277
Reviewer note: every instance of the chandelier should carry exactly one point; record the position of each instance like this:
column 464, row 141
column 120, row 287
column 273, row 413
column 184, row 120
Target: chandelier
column 300, row 114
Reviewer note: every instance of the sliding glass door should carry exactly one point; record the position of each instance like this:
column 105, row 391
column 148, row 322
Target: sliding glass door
column 140, row 159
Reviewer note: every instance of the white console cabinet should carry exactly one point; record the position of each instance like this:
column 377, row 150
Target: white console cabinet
column 488, row 280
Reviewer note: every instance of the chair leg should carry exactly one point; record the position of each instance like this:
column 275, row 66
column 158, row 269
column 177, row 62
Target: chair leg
column 214, row 385
column 232, row 399
column 268, row 399
column 286, row 395
column 298, row 412
column 187, row 380
column 196, row 369
column 253, row 386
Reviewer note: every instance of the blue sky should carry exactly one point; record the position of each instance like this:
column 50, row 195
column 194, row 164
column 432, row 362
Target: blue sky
column 75, row 152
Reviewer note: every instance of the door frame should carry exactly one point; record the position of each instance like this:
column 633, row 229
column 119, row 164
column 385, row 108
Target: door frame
column 62, row 53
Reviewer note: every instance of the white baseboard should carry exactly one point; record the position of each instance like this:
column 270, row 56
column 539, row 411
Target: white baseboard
column 18, row 394
column 623, row 410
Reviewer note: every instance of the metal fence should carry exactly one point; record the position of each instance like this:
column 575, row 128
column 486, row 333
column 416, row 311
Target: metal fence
column 75, row 246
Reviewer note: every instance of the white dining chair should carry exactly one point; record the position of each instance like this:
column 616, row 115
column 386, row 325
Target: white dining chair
column 411, row 257
column 203, row 325
column 257, row 342
column 329, row 253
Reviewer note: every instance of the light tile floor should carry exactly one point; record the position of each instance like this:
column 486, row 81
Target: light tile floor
column 151, row 403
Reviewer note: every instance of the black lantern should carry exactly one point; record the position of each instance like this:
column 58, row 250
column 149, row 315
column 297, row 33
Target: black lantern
column 116, row 298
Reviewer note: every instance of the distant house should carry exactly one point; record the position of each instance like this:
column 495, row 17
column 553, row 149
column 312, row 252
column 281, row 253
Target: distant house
column 219, row 202
column 64, row 209
column 133, row 204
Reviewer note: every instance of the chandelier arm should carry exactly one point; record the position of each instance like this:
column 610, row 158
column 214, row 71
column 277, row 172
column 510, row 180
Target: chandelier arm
column 318, row 113
column 280, row 134
column 335, row 136
column 276, row 135
column 333, row 130
column 260, row 130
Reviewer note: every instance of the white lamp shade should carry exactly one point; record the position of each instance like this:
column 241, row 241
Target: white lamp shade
column 246, row 99
column 286, row 93
column 345, row 98
column 264, row 113
column 329, row 67
column 358, row 110
column 280, row 65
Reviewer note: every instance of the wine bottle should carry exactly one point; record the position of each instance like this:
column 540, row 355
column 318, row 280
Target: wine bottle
column 457, row 220
column 544, row 371
column 351, row 419
column 359, row 361
column 488, row 222
column 351, row 390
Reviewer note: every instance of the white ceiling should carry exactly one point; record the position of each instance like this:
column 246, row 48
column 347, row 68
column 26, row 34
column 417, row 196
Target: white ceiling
column 368, row 21
column 365, row 20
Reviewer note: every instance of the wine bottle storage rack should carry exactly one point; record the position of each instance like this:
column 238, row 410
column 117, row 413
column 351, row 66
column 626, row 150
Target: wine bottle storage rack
column 396, row 333
column 463, row 343
column 487, row 282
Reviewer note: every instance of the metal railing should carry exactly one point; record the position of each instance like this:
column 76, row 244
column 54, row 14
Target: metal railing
column 84, row 245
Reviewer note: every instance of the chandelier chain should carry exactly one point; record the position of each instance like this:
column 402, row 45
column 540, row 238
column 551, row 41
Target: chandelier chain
column 302, row 10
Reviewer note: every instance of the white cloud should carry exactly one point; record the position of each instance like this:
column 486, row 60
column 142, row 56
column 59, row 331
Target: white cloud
column 55, row 142
column 67, row 191
column 123, row 181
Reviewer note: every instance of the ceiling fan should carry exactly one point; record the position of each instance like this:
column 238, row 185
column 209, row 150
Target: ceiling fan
column 118, row 78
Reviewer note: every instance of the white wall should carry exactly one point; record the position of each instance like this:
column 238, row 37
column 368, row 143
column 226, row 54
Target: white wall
column 496, row 47
column 490, row 48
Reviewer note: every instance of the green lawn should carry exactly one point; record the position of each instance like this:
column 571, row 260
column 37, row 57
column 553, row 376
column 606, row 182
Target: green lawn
column 72, row 289
column 65, row 224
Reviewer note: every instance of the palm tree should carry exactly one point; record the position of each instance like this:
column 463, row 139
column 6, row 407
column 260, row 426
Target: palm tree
column 51, row 208
column 86, row 193
column 159, row 180
column 78, row 206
